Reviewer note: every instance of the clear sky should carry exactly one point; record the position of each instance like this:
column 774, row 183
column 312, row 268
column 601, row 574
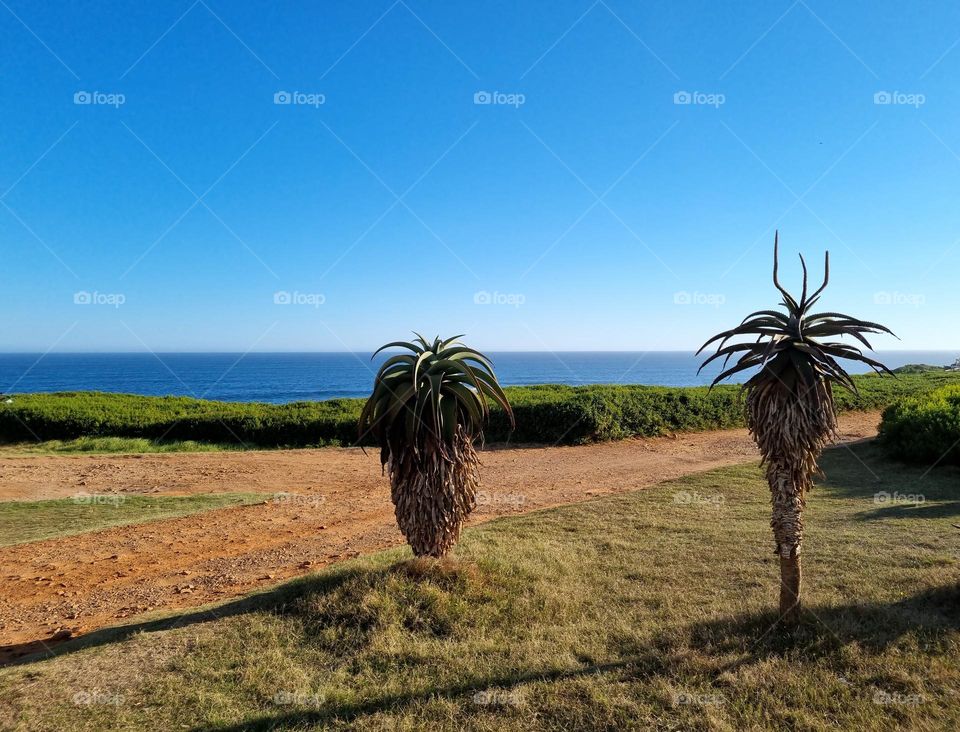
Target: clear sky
column 524, row 172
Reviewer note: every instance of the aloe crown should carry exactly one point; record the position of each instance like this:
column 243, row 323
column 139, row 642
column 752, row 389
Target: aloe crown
column 790, row 345
column 431, row 391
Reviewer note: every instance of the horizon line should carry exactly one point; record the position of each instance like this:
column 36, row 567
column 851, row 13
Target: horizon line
column 370, row 350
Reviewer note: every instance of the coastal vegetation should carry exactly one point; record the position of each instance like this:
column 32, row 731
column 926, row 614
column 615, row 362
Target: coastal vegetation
column 428, row 407
column 924, row 429
column 549, row 414
column 790, row 402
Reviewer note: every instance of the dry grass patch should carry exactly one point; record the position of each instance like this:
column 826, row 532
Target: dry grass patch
column 650, row 610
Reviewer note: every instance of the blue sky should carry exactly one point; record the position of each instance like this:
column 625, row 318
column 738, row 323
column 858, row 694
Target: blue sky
column 521, row 172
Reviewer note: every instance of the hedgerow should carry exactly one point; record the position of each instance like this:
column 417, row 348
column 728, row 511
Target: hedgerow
column 549, row 414
column 924, row 429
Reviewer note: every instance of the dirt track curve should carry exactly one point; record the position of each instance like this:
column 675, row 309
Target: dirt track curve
column 337, row 506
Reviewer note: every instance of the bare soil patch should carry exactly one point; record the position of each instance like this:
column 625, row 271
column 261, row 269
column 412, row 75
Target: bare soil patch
column 322, row 506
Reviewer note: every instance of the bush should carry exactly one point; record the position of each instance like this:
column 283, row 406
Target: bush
column 549, row 414
column 924, row 429
column 68, row 415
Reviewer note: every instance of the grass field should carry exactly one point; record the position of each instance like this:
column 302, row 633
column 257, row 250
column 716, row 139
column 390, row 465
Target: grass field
column 649, row 610
column 24, row 521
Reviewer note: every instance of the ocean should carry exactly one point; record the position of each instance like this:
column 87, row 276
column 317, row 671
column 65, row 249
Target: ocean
column 289, row 377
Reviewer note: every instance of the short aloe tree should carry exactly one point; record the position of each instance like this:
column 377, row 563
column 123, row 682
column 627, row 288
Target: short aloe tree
column 428, row 408
column 790, row 408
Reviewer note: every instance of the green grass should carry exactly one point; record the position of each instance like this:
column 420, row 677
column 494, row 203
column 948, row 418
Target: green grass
column 108, row 445
column 650, row 610
column 24, row 521
column 551, row 414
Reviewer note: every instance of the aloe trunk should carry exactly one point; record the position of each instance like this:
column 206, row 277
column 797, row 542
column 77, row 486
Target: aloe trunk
column 791, row 427
column 790, row 580
column 433, row 496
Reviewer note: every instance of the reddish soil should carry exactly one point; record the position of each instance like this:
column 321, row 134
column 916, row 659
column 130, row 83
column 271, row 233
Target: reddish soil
column 336, row 505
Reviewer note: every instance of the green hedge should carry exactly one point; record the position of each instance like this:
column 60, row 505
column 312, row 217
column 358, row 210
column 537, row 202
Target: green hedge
column 67, row 415
column 924, row 429
column 550, row 414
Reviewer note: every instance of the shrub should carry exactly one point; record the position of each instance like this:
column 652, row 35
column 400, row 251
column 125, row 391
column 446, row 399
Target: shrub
column 548, row 414
column 924, row 429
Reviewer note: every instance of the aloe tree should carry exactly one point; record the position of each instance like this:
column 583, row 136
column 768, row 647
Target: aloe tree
column 790, row 408
column 427, row 409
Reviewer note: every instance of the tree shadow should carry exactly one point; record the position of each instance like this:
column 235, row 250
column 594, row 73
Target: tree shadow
column 911, row 511
column 931, row 616
column 633, row 668
column 275, row 599
column 862, row 470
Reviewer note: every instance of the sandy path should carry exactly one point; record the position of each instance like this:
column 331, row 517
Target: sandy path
column 336, row 506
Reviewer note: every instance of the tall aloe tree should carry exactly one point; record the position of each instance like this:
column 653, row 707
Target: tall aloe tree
column 790, row 408
column 428, row 408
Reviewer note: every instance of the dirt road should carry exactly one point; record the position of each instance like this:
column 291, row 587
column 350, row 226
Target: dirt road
column 335, row 505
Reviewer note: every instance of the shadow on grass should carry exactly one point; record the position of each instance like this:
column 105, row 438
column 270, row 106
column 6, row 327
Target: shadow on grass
column 911, row 511
column 861, row 470
column 632, row 668
column 276, row 600
column 930, row 616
